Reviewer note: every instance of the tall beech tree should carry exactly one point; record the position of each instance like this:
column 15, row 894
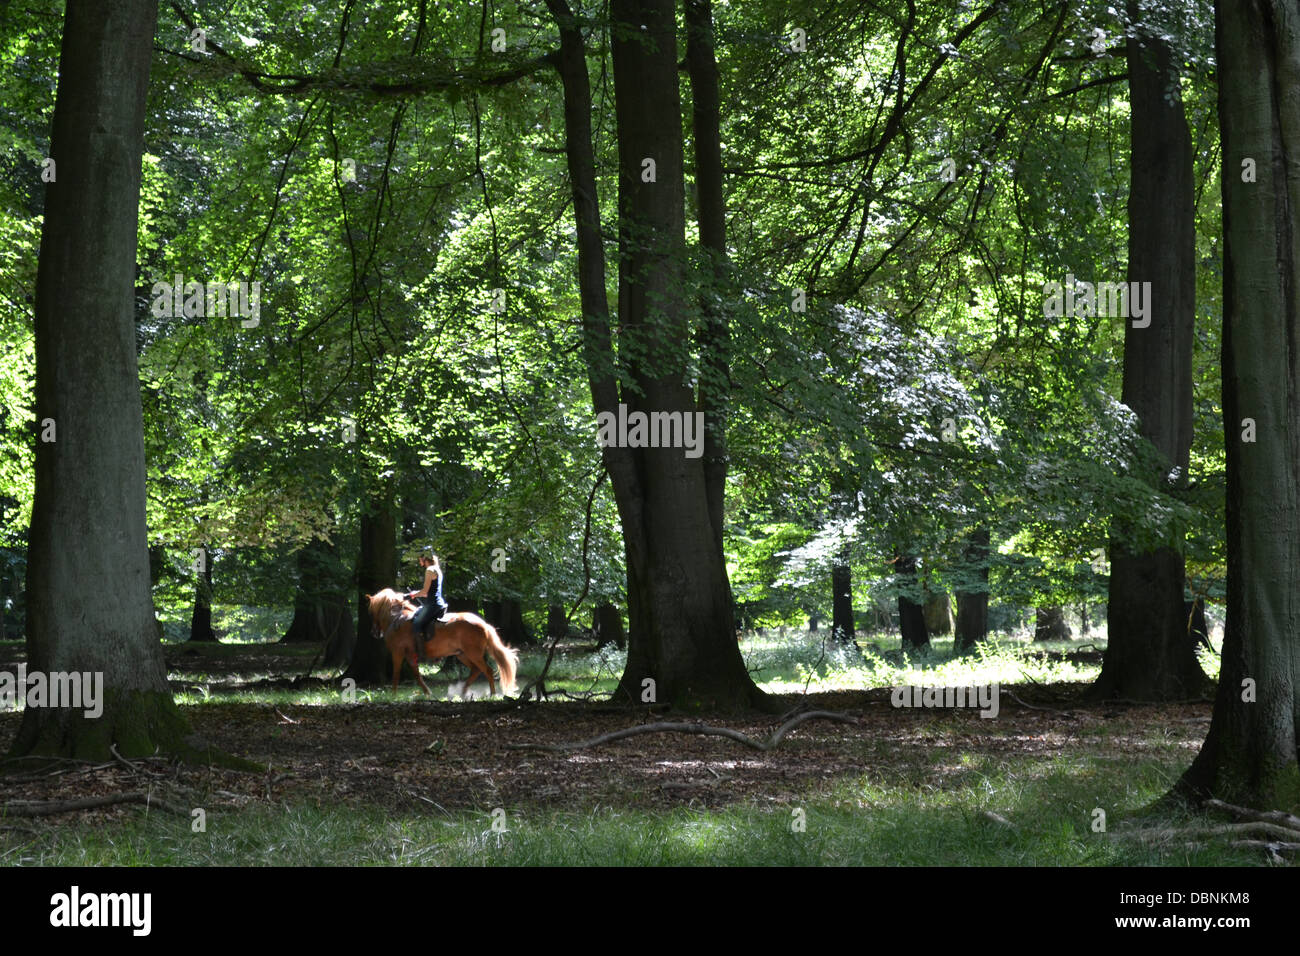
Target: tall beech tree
column 1148, row 655
column 973, row 597
column 88, row 603
column 1250, row 754
column 681, row 625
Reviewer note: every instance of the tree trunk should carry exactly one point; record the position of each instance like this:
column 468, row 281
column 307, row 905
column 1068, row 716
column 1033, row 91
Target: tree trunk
column 157, row 558
column 937, row 612
column 842, row 604
column 1250, row 754
column 1049, row 624
column 88, row 516
column 507, row 616
column 911, row 616
column 320, row 606
column 201, row 619
column 973, row 602
column 814, row 620
column 1147, row 654
column 1198, row 629
column 376, row 569
column 608, row 625
column 711, row 206
column 682, row 649
column 556, row 625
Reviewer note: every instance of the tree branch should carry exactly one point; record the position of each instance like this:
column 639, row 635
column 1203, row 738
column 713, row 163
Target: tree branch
column 415, row 82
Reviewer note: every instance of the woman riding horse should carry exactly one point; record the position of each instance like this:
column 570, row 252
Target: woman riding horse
column 435, row 608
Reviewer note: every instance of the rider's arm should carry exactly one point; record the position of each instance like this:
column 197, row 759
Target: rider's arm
column 430, row 577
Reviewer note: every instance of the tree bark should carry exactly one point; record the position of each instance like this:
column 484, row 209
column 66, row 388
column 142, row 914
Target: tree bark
column 376, row 569
column 682, row 648
column 89, row 608
column 715, row 335
column 973, row 602
column 1147, row 653
column 320, row 606
column 1198, row 628
column 507, row 616
column 556, row 625
column 1049, row 624
column 911, row 616
column 609, row 626
column 201, row 619
column 937, row 611
column 842, row 627
column 1250, row 754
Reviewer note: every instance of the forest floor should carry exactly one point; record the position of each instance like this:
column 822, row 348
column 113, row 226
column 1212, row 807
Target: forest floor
column 410, row 757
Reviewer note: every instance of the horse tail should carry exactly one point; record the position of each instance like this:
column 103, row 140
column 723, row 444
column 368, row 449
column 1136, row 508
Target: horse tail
column 507, row 658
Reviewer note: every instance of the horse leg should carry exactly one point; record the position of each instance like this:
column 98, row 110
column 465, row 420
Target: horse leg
column 397, row 668
column 473, row 673
column 415, row 667
column 486, row 670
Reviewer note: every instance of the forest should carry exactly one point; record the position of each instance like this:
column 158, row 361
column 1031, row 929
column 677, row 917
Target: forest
column 650, row 432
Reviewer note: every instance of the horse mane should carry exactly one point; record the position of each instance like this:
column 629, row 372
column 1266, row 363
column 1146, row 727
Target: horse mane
column 388, row 603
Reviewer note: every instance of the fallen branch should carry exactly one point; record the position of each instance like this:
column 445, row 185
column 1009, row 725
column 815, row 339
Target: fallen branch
column 1279, row 817
column 1203, row 833
column 997, row 818
column 40, row 808
column 692, row 728
column 112, row 748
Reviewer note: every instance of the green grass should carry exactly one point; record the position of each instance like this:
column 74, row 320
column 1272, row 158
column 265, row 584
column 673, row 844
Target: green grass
column 863, row 821
column 786, row 662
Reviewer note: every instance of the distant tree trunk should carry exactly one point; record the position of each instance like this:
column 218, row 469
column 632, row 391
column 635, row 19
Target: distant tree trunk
column 376, row 569
column 937, row 611
column 813, row 620
column 1250, row 754
column 911, row 616
column 1198, row 629
column 1049, row 624
column 842, row 604
column 321, row 611
column 201, row 620
column 88, row 603
column 157, row 558
column 973, row 603
column 608, row 625
column 1083, row 619
column 556, row 625
column 1147, row 653
column 507, row 616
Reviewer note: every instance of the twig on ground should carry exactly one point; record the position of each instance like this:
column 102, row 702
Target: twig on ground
column 40, row 808
column 692, row 728
column 112, row 748
column 1050, row 710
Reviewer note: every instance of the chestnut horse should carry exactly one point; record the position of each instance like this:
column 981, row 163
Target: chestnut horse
column 466, row 637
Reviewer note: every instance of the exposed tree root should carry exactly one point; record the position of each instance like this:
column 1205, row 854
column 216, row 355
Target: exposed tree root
column 692, row 728
column 1245, row 813
column 1205, row 833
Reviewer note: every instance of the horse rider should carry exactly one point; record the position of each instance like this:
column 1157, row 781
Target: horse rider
column 431, row 592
